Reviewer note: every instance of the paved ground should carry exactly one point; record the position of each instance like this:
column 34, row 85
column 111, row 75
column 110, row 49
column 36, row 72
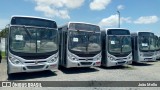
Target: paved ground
column 137, row 72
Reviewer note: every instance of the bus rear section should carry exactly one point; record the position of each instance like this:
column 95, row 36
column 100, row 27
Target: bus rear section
column 143, row 47
column 80, row 45
column 116, row 47
column 32, row 45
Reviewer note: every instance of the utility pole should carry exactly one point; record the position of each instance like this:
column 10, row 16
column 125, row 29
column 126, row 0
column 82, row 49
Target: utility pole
column 119, row 16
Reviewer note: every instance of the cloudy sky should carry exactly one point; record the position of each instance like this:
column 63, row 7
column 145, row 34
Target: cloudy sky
column 136, row 15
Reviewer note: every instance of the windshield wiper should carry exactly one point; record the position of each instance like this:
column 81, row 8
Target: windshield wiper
column 28, row 33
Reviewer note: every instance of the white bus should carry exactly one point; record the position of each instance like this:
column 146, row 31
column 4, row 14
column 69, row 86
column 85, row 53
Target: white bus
column 80, row 45
column 143, row 46
column 32, row 45
column 156, row 47
column 116, row 47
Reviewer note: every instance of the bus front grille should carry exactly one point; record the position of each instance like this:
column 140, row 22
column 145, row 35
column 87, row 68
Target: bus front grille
column 33, row 62
column 86, row 63
column 148, row 54
column 121, row 59
column 35, row 67
column 86, row 59
column 33, row 57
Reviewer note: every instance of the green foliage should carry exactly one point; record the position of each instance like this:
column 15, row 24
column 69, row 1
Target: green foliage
column 3, row 54
column 4, row 32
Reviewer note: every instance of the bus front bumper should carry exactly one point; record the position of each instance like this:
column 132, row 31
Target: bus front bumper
column 145, row 59
column 12, row 68
column 118, row 63
column 83, row 63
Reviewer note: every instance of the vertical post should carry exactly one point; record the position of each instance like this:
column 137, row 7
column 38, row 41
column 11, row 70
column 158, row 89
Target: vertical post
column 118, row 19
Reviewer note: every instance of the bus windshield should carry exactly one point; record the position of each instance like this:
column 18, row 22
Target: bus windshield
column 146, row 43
column 84, row 42
column 119, row 44
column 33, row 39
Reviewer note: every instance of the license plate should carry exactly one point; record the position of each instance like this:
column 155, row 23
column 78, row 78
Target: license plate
column 122, row 62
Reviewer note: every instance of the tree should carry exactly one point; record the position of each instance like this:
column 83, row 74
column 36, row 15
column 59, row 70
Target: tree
column 4, row 32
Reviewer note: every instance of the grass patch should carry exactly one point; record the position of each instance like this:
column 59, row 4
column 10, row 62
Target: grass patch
column 3, row 55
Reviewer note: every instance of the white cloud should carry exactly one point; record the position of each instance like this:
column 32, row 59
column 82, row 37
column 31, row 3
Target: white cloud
column 120, row 7
column 146, row 20
column 3, row 23
column 112, row 21
column 73, row 3
column 57, row 8
column 127, row 19
column 99, row 4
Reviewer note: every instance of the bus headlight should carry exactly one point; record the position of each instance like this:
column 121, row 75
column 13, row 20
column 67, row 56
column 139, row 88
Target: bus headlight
column 74, row 59
column 112, row 59
column 51, row 61
column 156, row 53
column 71, row 57
column 141, row 54
column 54, row 59
column 98, row 58
column 15, row 60
column 129, row 57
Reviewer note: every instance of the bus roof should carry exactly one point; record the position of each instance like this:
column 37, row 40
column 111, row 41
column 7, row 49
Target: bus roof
column 83, row 23
column 32, row 21
column 30, row 17
column 67, row 24
column 136, row 33
column 116, row 28
column 116, row 31
column 106, row 29
column 142, row 31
